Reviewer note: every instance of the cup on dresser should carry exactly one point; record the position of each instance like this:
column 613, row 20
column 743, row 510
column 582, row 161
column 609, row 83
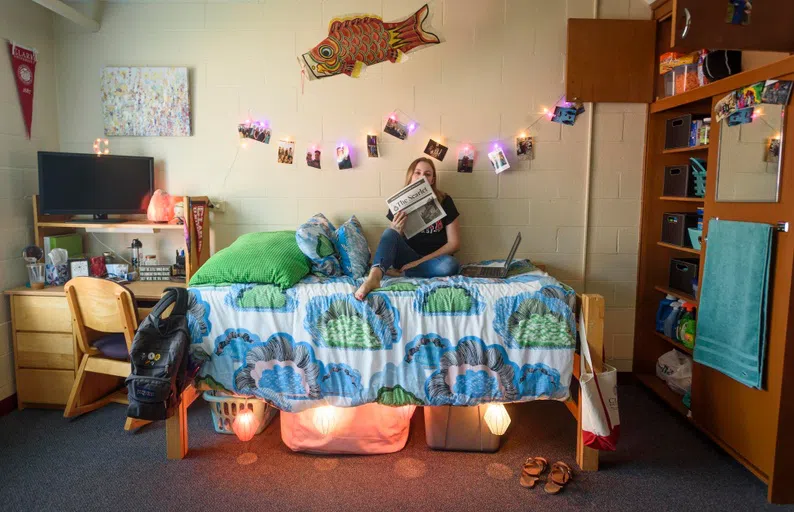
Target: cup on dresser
column 36, row 275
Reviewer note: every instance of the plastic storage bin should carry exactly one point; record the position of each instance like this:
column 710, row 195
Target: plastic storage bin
column 225, row 408
column 459, row 429
column 685, row 78
column 367, row 429
column 675, row 226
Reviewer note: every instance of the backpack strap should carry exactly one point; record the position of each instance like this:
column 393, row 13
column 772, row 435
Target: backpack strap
column 181, row 301
column 166, row 300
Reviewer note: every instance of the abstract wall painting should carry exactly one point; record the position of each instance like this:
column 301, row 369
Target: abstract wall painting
column 145, row 102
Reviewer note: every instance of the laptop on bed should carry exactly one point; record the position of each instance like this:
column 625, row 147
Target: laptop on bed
column 494, row 272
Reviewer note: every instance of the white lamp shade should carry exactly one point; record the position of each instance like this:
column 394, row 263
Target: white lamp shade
column 325, row 419
column 497, row 419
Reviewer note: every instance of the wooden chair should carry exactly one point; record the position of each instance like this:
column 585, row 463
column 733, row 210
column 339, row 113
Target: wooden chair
column 104, row 320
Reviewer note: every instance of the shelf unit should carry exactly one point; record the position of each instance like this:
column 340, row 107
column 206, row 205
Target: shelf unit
column 658, row 386
column 677, row 344
column 690, row 149
column 47, row 225
column 678, row 248
column 678, row 295
column 682, row 199
column 752, row 425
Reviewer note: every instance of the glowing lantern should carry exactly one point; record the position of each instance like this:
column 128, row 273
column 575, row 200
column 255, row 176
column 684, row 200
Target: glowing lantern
column 161, row 207
column 325, row 419
column 245, row 425
column 497, row 419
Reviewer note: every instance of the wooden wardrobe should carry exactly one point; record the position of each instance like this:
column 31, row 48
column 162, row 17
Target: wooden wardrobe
column 754, row 426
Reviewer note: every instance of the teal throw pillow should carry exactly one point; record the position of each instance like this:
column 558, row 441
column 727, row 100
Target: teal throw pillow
column 353, row 249
column 267, row 258
column 316, row 238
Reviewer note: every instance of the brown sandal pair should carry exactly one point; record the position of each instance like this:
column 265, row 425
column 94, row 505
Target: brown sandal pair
column 535, row 466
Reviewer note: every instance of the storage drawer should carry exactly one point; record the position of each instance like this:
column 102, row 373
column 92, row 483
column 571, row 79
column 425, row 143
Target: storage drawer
column 43, row 314
column 459, row 429
column 44, row 386
column 676, row 132
column 679, row 181
column 45, row 350
column 682, row 272
column 675, row 228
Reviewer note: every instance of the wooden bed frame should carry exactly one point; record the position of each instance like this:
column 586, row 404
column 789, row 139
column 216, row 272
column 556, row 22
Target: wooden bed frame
column 589, row 305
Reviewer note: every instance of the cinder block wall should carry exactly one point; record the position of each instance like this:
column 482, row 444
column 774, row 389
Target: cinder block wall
column 30, row 25
column 502, row 62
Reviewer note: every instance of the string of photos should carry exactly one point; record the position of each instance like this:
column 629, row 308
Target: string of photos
column 401, row 126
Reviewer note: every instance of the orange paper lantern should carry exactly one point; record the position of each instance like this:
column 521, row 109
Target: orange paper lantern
column 245, row 425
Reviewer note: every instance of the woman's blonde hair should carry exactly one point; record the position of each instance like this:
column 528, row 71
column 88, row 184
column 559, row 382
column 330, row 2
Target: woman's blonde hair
column 411, row 168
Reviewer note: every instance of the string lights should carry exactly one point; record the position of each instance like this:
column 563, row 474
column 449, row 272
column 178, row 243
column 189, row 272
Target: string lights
column 399, row 125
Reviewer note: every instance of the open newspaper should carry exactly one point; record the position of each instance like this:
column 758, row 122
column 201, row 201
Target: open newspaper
column 420, row 204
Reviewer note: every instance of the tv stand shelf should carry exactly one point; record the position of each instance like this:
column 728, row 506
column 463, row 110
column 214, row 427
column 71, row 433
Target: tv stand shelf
column 111, row 225
column 46, row 225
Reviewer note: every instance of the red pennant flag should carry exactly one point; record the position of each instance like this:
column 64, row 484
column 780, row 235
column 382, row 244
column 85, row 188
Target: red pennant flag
column 23, row 62
column 199, row 211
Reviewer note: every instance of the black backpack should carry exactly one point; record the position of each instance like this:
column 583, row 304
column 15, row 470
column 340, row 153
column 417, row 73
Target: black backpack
column 159, row 358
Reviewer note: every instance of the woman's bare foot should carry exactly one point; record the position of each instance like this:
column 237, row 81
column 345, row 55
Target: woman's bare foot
column 393, row 272
column 370, row 283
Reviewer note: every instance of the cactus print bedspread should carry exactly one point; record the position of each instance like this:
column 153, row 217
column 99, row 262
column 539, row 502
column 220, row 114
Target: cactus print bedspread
column 446, row 341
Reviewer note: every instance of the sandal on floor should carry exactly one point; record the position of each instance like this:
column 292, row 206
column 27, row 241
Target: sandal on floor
column 533, row 468
column 560, row 475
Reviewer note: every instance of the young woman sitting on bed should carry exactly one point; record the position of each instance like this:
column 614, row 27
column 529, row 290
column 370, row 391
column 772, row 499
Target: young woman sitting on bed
column 427, row 254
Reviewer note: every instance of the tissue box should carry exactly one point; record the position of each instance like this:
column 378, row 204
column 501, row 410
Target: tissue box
column 56, row 275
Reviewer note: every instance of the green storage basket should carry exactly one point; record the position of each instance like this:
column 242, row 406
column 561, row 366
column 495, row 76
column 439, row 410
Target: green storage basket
column 225, row 408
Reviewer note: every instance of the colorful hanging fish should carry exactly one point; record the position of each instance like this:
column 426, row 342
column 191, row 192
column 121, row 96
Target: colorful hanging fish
column 354, row 43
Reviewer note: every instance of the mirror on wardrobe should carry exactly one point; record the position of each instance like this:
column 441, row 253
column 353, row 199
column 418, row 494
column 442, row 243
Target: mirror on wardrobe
column 749, row 157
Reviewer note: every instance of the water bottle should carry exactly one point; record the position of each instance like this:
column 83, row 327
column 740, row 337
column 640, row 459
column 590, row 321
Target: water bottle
column 671, row 321
column 135, row 253
column 663, row 311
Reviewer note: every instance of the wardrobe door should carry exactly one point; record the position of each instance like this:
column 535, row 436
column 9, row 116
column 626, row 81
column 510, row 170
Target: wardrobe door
column 718, row 24
column 610, row 60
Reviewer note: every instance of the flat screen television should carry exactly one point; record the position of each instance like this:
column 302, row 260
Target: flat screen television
column 87, row 184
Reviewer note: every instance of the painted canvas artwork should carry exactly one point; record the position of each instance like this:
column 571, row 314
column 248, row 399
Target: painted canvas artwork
column 146, row 102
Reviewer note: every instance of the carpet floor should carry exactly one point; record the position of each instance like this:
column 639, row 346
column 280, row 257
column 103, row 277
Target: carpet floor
column 90, row 463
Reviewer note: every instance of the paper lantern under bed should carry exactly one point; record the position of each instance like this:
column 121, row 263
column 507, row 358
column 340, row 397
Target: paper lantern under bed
column 245, row 425
column 497, row 419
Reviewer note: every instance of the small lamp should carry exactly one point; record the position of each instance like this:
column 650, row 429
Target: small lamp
column 497, row 419
column 245, row 425
column 325, row 419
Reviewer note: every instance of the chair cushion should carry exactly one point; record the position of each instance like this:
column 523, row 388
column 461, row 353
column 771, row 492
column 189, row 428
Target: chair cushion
column 113, row 346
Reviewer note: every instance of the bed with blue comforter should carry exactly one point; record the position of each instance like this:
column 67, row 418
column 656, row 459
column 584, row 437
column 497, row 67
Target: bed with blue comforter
column 446, row 341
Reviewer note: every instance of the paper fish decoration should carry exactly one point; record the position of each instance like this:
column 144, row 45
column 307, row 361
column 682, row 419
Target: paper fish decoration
column 354, row 43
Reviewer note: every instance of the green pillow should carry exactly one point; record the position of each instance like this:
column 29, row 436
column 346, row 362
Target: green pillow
column 267, row 258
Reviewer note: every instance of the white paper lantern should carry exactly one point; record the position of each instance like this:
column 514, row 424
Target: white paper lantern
column 325, row 419
column 497, row 419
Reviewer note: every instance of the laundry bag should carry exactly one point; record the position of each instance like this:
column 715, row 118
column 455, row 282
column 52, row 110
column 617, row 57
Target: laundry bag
column 600, row 419
column 364, row 430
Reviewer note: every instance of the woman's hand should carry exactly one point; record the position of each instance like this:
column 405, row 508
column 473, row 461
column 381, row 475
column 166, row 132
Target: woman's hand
column 398, row 222
column 411, row 265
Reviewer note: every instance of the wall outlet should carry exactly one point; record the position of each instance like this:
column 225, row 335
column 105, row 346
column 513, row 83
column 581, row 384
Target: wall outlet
column 218, row 206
